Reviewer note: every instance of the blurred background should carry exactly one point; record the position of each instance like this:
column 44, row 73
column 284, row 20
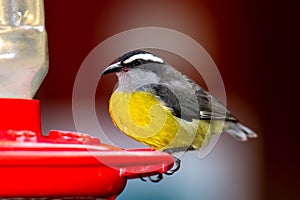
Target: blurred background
column 249, row 42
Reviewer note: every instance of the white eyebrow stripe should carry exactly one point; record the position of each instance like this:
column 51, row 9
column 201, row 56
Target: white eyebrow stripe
column 144, row 56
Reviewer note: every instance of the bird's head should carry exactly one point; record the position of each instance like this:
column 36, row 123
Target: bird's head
column 131, row 61
column 136, row 68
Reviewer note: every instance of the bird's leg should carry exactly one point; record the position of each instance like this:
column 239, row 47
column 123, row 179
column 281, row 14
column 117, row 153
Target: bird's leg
column 178, row 149
column 170, row 172
column 177, row 163
column 177, row 160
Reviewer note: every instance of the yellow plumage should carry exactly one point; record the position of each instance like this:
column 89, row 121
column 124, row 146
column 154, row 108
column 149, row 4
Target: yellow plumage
column 141, row 116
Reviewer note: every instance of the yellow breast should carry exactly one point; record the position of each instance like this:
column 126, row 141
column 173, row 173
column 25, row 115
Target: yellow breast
column 141, row 116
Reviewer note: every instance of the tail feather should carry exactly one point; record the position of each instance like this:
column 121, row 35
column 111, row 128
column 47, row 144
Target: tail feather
column 240, row 132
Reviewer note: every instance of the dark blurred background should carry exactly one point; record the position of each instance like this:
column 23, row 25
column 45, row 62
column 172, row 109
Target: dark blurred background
column 252, row 44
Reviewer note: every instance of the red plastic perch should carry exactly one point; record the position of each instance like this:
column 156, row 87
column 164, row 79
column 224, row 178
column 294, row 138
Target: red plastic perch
column 64, row 164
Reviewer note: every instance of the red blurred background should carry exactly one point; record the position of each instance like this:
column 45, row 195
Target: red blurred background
column 246, row 39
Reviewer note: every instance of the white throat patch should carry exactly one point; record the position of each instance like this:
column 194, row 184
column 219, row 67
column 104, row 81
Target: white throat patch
column 143, row 56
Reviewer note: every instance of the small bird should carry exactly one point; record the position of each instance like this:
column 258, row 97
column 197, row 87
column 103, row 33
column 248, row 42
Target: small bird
column 161, row 107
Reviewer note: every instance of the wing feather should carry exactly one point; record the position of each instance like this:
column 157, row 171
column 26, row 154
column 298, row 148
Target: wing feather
column 185, row 98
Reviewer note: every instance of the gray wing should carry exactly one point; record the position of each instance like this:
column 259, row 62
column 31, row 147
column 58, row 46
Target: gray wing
column 198, row 105
column 194, row 101
column 186, row 99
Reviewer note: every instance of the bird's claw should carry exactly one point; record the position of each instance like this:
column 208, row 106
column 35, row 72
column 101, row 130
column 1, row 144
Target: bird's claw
column 158, row 178
column 174, row 169
column 142, row 178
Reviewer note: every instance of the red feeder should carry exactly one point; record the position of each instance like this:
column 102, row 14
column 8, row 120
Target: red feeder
column 64, row 164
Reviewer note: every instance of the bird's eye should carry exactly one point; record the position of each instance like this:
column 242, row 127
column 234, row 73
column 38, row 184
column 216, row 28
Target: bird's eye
column 137, row 62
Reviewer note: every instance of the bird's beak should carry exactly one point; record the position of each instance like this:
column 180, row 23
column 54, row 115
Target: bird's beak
column 116, row 67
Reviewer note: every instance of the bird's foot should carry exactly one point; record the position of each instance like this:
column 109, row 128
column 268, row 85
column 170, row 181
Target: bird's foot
column 156, row 178
column 159, row 177
column 177, row 160
column 175, row 168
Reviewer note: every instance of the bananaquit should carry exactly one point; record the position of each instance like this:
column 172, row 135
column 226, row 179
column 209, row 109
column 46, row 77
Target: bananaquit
column 163, row 108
